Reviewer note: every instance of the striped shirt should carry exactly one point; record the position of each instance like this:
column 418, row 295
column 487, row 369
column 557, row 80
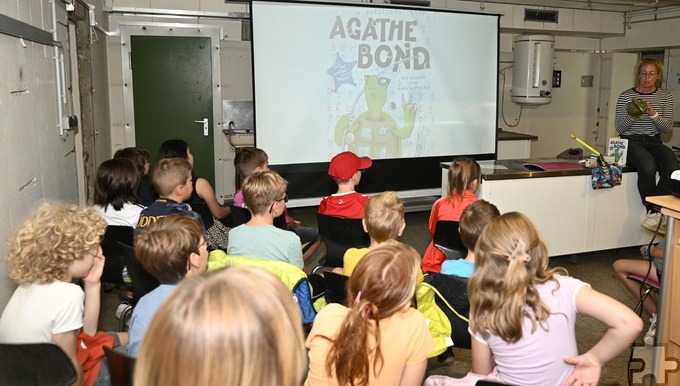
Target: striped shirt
column 661, row 100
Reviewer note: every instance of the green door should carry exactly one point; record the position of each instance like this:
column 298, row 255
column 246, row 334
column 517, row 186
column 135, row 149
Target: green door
column 172, row 89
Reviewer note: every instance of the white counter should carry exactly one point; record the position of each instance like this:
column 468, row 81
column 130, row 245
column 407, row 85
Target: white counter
column 570, row 215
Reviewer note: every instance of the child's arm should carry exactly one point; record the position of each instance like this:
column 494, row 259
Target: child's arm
column 206, row 192
column 482, row 359
column 624, row 327
column 68, row 341
column 413, row 374
column 92, row 285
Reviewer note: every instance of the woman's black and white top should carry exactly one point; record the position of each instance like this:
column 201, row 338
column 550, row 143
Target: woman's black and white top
column 661, row 100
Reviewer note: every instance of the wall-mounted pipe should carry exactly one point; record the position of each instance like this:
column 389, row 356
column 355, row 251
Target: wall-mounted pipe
column 58, row 73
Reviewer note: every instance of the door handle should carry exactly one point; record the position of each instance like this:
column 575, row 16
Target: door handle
column 204, row 121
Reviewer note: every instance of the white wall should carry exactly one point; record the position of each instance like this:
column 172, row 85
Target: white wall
column 37, row 163
column 573, row 109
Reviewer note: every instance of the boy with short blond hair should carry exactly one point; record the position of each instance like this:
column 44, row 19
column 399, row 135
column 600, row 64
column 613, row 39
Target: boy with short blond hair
column 346, row 169
column 170, row 249
column 172, row 180
column 251, row 160
column 384, row 222
column 265, row 196
column 472, row 223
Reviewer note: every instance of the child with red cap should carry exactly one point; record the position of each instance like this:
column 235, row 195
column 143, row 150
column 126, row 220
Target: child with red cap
column 345, row 168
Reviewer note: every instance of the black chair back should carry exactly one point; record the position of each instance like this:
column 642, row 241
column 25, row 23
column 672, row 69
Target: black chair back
column 242, row 216
column 115, row 262
column 336, row 287
column 121, row 367
column 142, row 281
column 447, row 239
column 454, row 292
column 35, row 364
column 338, row 235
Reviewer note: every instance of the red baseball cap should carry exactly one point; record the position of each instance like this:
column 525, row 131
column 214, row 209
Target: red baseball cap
column 344, row 165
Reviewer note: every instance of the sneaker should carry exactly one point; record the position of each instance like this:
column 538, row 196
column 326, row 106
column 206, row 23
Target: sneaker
column 124, row 304
column 650, row 336
column 651, row 222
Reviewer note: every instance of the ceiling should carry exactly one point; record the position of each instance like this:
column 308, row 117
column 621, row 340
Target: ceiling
column 595, row 5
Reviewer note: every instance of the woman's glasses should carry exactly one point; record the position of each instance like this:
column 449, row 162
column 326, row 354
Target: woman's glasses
column 284, row 199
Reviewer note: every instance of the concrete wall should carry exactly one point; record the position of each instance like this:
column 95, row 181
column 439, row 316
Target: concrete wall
column 37, row 163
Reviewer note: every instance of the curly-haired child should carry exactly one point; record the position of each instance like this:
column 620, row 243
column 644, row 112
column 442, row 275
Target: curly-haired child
column 57, row 244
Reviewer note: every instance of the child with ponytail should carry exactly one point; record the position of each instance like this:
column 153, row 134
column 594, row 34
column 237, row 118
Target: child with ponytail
column 464, row 178
column 378, row 339
column 522, row 314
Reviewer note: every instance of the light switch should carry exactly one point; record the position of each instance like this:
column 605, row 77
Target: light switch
column 586, row 81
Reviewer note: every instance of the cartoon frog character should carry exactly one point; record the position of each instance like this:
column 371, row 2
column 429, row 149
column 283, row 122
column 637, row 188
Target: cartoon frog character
column 375, row 133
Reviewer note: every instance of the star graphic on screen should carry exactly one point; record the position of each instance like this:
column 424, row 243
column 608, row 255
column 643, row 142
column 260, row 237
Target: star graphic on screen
column 341, row 72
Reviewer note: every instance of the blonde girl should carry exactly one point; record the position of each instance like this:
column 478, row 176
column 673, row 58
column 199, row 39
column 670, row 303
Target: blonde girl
column 378, row 339
column 232, row 327
column 464, row 179
column 522, row 313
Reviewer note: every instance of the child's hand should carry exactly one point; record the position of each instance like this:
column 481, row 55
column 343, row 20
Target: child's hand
column 586, row 371
column 294, row 223
column 95, row 274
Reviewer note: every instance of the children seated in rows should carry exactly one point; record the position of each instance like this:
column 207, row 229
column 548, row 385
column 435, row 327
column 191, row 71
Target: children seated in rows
column 170, row 249
column 265, row 196
column 523, row 314
column 55, row 245
column 345, row 169
column 115, row 192
column 472, row 223
column 172, row 180
column 464, row 179
column 380, row 339
column 202, row 199
column 251, row 160
column 140, row 158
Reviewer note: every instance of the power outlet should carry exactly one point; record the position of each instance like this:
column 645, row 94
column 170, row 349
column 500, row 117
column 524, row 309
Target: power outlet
column 557, row 78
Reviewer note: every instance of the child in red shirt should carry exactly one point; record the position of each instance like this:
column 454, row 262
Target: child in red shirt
column 464, row 177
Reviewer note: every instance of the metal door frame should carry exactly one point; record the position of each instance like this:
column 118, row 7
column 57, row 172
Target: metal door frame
column 216, row 34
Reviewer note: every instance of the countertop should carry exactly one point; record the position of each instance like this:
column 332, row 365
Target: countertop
column 512, row 136
column 514, row 169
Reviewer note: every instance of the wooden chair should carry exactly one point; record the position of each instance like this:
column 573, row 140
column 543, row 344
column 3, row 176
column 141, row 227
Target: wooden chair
column 336, row 287
column 338, row 235
column 115, row 262
column 35, row 364
column 121, row 367
column 447, row 239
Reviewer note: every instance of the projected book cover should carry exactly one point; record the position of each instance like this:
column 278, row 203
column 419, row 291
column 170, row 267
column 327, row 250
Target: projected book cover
column 381, row 82
column 375, row 115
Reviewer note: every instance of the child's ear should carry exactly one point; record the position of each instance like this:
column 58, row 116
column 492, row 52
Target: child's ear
column 401, row 229
column 193, row 259
column 363, row 223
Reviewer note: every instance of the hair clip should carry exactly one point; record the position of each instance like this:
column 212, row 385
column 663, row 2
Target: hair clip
column 519, row 252
column 358, row 298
